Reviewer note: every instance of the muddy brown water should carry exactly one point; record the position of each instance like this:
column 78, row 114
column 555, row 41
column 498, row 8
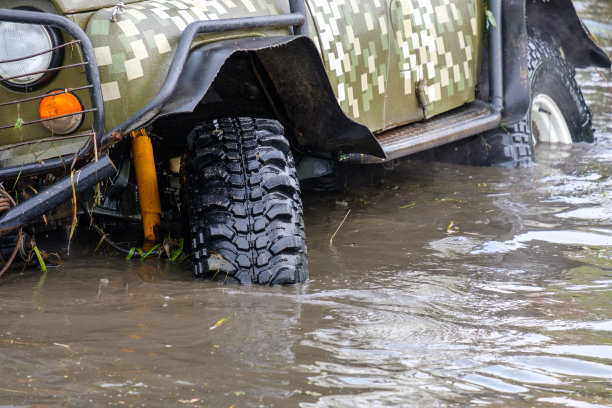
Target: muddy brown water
column 446, row 286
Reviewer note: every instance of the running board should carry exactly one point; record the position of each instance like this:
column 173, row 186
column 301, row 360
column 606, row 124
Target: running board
column 466, row 121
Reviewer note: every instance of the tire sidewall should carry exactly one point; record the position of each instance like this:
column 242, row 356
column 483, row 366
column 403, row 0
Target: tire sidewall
column 554, row 78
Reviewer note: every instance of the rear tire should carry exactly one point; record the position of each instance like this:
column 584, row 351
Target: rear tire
column 558, row 111
column 558, row 114
column 244, row 206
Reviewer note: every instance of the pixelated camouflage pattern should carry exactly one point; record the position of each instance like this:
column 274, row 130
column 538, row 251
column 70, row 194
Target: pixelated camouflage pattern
column 378, row 51
column 134, row 53
column 437, row 45
column 354, row 43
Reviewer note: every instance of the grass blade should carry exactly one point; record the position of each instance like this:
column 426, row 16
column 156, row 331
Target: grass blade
column 178, row 252
column 143, row 256
column 43, row 267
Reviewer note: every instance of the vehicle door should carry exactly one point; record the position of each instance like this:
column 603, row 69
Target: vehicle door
column 434, row 57
column 353, row 39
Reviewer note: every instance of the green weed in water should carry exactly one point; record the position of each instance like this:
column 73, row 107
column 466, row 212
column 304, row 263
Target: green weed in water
column 178, row 252
column 43, row 267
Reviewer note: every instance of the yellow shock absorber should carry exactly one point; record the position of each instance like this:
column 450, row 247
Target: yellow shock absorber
column 146, row 180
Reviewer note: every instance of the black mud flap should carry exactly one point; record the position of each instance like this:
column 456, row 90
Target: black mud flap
column 558, row 19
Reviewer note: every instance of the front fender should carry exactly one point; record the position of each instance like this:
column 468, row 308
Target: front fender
column 296, row 71
column 134, row 54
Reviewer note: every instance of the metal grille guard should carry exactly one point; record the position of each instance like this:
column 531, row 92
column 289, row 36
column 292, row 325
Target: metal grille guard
column 93, row 79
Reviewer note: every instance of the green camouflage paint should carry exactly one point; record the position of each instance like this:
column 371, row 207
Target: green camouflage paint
column 134, row 53
column 437, row 45
column 376, row 52
column 354, row 45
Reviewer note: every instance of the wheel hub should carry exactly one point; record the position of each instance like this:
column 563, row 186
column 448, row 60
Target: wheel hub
column 548, row 124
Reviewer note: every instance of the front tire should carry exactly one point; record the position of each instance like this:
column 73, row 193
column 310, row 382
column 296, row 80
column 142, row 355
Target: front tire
column 244, row 206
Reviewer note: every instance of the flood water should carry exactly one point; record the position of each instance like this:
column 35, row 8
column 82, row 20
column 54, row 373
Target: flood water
column 446, row 285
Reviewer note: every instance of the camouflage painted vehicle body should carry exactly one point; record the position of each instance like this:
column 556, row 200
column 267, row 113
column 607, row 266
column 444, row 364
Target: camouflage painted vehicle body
column 350, row 80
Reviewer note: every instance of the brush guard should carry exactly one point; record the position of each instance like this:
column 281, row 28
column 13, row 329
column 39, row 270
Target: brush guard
column 94, row 106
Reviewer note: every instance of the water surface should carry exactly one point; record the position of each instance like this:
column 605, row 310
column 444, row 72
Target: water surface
column 447, row 285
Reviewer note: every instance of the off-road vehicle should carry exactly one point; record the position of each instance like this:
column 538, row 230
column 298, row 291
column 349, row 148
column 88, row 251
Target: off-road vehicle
column 209, row 112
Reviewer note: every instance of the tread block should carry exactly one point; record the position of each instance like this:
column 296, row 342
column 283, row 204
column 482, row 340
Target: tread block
column 262, row 242
column 213, row 200
column 285, row 276
column 273, row 156
column 255, row 179
column 260, row 224
column 242, row 243
column 252, row 166
column 218, row 231
column 256, row 193
column 264, row 277
column 263, row 259
column 277, row 141
column 236, row 180
column 218, row 264
column 215, row 171
column 292, row 243
column 244, row 261
column 281, row 181
column 258, row 208
column 239, row 209
column 279, row 229
column 241, row 225
column 284, row 210
column 250, row 144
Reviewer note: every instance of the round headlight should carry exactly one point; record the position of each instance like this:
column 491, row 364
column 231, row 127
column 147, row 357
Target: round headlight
column 18, row 41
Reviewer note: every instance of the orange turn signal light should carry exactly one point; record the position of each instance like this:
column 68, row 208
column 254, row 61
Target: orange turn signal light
column 65, row 107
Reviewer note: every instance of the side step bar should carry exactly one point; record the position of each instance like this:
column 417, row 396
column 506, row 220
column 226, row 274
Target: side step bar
column 468, row 120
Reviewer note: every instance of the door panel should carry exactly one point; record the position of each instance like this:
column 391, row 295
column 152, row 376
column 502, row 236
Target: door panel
column 354, row 42
column 435, row 46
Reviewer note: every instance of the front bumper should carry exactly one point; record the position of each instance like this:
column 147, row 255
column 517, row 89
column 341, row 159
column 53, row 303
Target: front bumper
column 79, row 181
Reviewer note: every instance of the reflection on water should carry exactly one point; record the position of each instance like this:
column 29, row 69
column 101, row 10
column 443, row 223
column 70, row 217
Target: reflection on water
column 446, row 286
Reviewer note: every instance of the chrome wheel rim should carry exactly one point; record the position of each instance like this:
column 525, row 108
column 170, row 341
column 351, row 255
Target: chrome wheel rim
column 548, row 124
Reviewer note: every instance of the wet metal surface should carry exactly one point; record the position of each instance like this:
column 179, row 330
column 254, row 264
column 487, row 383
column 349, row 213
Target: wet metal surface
column 446, row 286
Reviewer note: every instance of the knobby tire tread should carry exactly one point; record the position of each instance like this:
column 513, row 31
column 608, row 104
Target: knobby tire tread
column 244, row 202
column 540, row 52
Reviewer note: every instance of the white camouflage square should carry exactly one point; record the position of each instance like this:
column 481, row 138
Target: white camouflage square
column 162, row 43
column 110, row 91
column 139, row 49
column 128, row 28
column 103, row 56
column 133, row 69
